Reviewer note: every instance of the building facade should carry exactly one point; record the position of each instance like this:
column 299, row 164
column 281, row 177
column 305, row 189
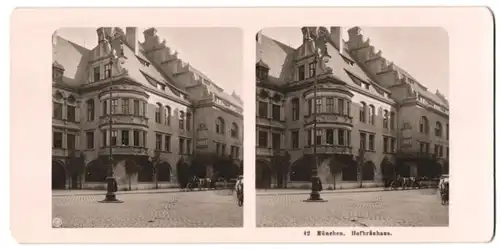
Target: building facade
column 165, row 114
column 373, row 119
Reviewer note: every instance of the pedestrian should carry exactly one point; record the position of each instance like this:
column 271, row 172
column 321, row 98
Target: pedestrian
column 115, row 185
column 320, row 185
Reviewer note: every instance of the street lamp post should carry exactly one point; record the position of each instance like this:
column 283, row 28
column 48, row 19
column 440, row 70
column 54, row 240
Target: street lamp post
column 315, row 182
column 110, row 194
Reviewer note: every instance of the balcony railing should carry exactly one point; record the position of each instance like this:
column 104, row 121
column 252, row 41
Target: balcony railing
column 124, row 150
column 328, row 149
column 124, row 119
column 329, row 118
column 270, row 152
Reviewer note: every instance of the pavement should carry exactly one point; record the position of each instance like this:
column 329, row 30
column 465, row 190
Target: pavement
column 159, row 209
column 357, row 208
column 80, row 192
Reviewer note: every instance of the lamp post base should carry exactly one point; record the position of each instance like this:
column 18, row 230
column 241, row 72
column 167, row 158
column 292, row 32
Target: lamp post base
column 110, row 198
column 315, row 197
column 110, row 195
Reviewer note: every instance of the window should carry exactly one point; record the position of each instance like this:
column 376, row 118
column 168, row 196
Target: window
column 329, row 136
column 104, row 139
column 181, row 120
column 439, row 129
column 393, row 121
column 114, row 106
column 386, row 144
column 362, row 141
column 90, row 110
column 436, row 150
column 57, row 139
column 348, row 110
column 318, row 104
column 276, row 137
column 393, row 145
column 295, row 139
column 424, row 147
column 262, row 109
column 188, row 121
column 136, row 138
column 385, row 123
column 90, row 139
column 234, row 130
column 424, row 125
column 188, row 146
column 276, row 112
column 440, row 151
column 70, row 141
column 312, row 69
column 217, row 148
column 104, row 107
column 447, row 131
column 144, row 138
column 447, row 152
column 262, row 139
column 57, row 112
column 330, row 105
column 167, row 143
column 114, row 135
column 371, row 142
column 107, row 71
column 341, row 137
column 181, row 145
column 157, row 113
column 168, row 113
column 371, row 114
column 302, row 72
column 158, row 142
column 125, row 138
column 319, row 136
column 144, row 108
column 234, row 152
column 309, row 106
column 125, row 107
column 71, row 113
column 348, row 138
column 219, row 126
column 309, row 137
column 223, row 149
column 97, row 73
column 362, row 113
column 341, row 106
column 295, row 109
column 136, row 107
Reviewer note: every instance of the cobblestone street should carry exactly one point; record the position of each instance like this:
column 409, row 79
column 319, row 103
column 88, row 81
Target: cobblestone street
column 182, row 209
column 383, row 208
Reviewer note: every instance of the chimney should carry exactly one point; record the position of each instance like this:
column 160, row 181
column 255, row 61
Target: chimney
column 103, row 33
column 131, row 39
column 336, row 38
column 258, row 37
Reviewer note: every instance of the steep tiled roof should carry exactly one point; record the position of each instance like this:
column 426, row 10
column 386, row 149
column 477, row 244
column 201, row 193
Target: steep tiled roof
column 73, row 58
column 278, row 57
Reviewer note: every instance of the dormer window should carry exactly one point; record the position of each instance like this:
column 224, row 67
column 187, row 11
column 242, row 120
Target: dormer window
column 302, row 72
column 261, row 70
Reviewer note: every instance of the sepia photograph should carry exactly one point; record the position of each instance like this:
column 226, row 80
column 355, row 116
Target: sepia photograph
column 352, row 127
column 147, row 127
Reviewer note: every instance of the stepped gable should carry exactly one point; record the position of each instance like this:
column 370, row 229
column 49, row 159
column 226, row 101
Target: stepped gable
column 280, row 58
column 184, row 74
column 362, row 50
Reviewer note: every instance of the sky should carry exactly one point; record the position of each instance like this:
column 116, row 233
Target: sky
column 423, row 52
column 214, row 51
